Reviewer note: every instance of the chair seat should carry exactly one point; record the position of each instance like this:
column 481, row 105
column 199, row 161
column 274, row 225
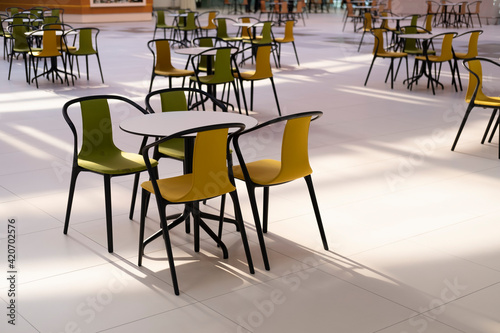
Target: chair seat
column 206, row 79
column 461, row 55
column 486, row 101
column 264, row 172
column 392, row 54
column 179, row 189
column 174, row 72
column 250, row 75
column 432, row 58
column 119, row 164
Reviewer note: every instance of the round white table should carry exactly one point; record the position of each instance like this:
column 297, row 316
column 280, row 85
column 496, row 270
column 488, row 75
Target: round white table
column 168, row 123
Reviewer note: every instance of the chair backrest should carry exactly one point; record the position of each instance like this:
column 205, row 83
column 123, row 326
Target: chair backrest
column 289, row 31
column 473, row 41
column 446, row 46
column 14, row 10
column 87, row 40
column 246, row 32
column 50, row 43
column 210, row 175
column 19, row 34
column 378, row 46
column 50, row 19
column 175, row 99
column 266, row 33
column 428, row 22
column 294, row 147
column 263, row 62
column 221, row 27
column 462, row 8
column 190, row 21
column 211, row 18
column 476, row 9
column 161, row 54
column 96, row 129
column 160, row 17
column 222, row 65
column 410, row 44
column 367, row 23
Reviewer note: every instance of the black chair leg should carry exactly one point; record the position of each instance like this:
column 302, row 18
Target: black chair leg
column 142, row 225
column 467, row 112
column 494, row 130
column 314, row 201
column 492, row 117
column 258, row 229
column 275, row 96
column 239, row 220
column 72, row 185
column 265, row 208
column 370, row 70
column 168, row 247
column 107, row 202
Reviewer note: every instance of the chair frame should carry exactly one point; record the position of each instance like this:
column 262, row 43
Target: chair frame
column 251, row 186
column 473, row 104
column 76, row 169
column 162, row 204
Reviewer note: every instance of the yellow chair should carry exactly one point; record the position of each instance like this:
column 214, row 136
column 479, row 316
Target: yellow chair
column 429, row 60
column 50, row 50
column 475, row 11
column 96, row 152
column 355, row 18
column 471, row 50
column 380, row 52
column 476, row 97
column 210, row 157
column 367, row 27
column 162, row 64
column 288, row 38
column 210, row 22
column 262, row 71
column 294, row 164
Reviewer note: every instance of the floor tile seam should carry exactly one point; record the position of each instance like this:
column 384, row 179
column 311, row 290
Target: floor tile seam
column 415, row 316
column 149, row 316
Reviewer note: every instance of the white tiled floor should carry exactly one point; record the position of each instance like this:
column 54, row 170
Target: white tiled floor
column 412, row 227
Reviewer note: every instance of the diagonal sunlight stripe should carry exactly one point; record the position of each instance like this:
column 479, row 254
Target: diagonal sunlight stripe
column 41, row 136
column 393, row 93
column 23, row 146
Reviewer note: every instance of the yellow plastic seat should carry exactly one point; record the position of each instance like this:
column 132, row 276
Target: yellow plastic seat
column 262, row 71
column 162, row 64
column 97, row 152
column 476, row 97
column 471, row 50
column 49, row 50
column 210, row 157
column 287, row 38
column 294, row 164
column 380, row 52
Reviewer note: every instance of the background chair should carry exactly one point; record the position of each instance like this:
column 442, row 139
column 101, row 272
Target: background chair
column 474, row 8
column 210, row 21
column 161, row 24
column 431, row 60
column 210, row 157
column 367, row 27
column 162, row 64
column 20, row 46
column 220, row 73
column 294, row 164
column 262, row 71
column 380, row 52
column 476, row 97
column 189, row 26
column 86, row 41
column 101, row 156
column 471, row 51
column 287, row 38
column 351, row 15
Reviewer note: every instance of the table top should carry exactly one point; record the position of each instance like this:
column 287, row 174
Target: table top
column 248, row 24
column 58, row 32
column 395, row 17
column 167, row 123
